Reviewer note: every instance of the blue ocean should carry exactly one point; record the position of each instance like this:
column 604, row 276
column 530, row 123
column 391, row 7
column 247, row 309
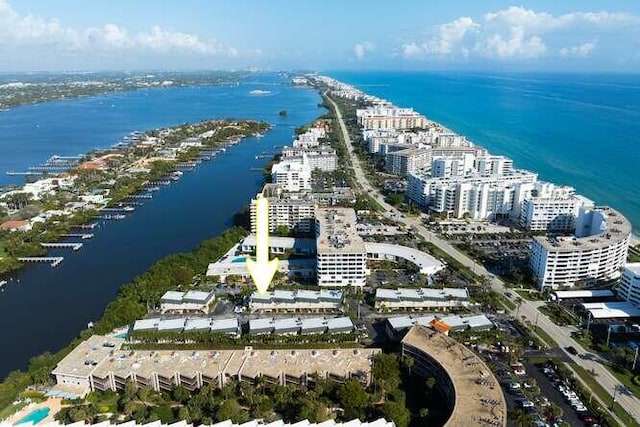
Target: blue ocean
column 581, row 130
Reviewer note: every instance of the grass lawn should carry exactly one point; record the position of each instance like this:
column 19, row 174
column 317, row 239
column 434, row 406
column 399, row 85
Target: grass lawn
column 544, row 336
column 626, row 378
column 599, row 391
column 11, row 409
column 505, row 301
column 531, row 296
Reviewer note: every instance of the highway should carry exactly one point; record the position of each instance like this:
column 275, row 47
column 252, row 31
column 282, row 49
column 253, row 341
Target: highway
column 527, row 309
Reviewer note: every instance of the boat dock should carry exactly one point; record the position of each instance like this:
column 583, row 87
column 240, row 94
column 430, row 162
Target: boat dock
column 54, row 261
column 88, row 226
column 79, row 236
column 140, row 196
column 113, row 217
column 120, row 209
column 30, row 173
column 74, row 246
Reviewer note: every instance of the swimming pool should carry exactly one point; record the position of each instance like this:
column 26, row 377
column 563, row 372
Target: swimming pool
column 35, row 416
column 239, row 259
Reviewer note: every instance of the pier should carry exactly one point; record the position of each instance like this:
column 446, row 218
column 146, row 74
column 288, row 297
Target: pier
column 54, row 261
column 30, row 173
column 115, row 217
column 79, row 236
column 120, row 209
column 74, row 246
column 88, row 226
column 140, row 196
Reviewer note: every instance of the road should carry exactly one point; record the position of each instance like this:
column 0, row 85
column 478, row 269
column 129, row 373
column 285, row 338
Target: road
column 527, row 310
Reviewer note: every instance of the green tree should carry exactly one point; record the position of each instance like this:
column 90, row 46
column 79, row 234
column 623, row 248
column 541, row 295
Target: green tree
column 520, row 418
column 386, row 371
column 181, row 394
column 353, row 399
column 230, row 409
column 397, row 413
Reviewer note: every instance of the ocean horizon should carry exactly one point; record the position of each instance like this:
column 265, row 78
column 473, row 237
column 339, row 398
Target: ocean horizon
column 576, row 129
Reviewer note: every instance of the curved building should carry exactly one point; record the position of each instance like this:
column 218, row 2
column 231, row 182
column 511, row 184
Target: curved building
column 597, row 251
column 473, row 392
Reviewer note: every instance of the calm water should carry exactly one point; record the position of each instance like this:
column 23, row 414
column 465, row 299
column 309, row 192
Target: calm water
column 49, row 306
column 576, row 129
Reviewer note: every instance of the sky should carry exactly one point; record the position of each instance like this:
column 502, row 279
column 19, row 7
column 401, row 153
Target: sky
column 540, row 35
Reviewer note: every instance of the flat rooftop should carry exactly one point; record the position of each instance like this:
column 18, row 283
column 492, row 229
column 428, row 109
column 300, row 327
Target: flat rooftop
column 422, row 294
column 247, row 362
column 338, row 231
column 88, row 355
column 617, row 228
column 594, row 293
column 612, row 310
column 472, row 380
column 427, row 263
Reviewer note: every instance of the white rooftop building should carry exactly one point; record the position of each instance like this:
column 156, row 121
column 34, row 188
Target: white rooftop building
column 292, row 176
column 186, row 302
column 402, row 299
column 341, row 253
column 325, row 300
column 596, row 252
column 304, row 326
column 629, row 287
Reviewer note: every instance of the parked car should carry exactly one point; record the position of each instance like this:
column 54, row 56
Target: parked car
column 514, row 386
column 571, row 350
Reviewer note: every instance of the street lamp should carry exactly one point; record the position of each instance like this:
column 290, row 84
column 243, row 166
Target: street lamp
column 617, row 389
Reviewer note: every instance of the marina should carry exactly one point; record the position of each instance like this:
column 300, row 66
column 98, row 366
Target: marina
column 175, row 219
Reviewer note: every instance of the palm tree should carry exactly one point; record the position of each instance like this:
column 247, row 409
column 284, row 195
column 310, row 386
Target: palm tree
column 409, row 362
column 518, row 301
column 520, row 418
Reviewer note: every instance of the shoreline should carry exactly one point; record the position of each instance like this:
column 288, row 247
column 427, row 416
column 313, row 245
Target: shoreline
column 115, row 207
column 635, row 234
column 212, row 240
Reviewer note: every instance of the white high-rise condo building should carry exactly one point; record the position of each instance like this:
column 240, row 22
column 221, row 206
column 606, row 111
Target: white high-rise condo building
column 406, row 161
column 474, row 195
column 321, row 158
column 292, row 176
column 389, row 117
column 629, row 287
column 292, row 210
column 341, row 253
column 597, row 251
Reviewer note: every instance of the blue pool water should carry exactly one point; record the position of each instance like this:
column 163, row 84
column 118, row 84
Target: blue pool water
column 35, row 416
column 240, row 259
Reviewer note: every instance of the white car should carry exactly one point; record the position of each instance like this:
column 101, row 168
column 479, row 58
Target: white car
column 526, row 404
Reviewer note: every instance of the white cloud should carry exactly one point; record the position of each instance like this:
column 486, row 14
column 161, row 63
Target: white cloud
column 581, row 51
column 519, row 33
column 448, row 37
column 513, row 45
column 362, row 49
column 29, row 30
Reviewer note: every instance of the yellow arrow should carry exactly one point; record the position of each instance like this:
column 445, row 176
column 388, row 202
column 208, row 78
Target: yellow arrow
column 262, row 270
